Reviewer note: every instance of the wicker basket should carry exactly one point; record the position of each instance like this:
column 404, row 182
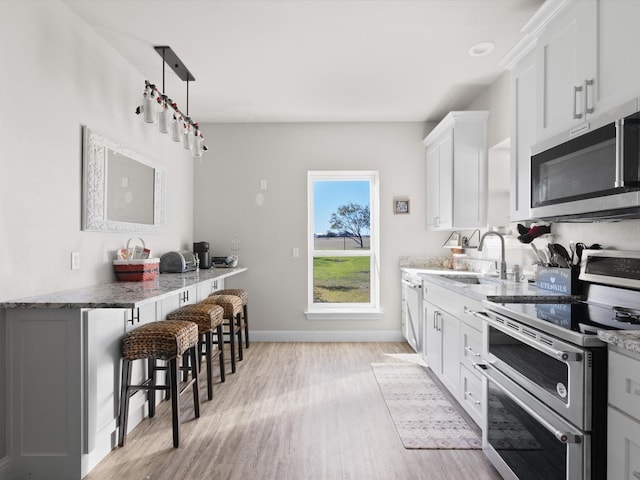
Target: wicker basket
column 137, row 270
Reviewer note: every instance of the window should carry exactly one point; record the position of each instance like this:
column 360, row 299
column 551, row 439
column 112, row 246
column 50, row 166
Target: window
column 343, row 244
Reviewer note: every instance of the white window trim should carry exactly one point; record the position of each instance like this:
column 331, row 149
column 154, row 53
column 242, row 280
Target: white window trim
column 353, row 311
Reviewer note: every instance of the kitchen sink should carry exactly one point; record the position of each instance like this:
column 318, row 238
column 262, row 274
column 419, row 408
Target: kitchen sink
column 472, row 279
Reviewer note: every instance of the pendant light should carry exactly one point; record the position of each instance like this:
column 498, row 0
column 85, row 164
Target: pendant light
column 158, row 108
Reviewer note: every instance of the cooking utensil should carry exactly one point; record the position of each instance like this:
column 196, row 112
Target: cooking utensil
column 557, row 249
column 537, row 252
column 546, row 261
column 559, row 261
column 579, row 248
column 572, row 248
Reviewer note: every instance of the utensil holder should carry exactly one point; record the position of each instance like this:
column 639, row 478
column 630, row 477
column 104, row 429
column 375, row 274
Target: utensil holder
column 559, row 280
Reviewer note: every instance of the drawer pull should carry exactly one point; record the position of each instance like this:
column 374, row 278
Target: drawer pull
column 471, row 352
column 477, row 402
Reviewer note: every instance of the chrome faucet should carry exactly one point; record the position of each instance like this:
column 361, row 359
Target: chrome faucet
column 503, row 264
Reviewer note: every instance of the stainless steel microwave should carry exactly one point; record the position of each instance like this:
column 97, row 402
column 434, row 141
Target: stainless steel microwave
column 591, row 172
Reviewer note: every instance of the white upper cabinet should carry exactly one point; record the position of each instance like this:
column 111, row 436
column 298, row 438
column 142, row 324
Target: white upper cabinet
column 523, row 136
column 576, row 62
column 618, row 68
column 566, row 61
column 456, row 162
column 440, row 182
column 585, row 58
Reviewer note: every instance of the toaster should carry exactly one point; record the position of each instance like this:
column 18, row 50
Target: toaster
column 179, row 261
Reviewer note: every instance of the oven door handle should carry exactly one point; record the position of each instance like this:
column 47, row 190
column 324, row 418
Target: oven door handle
column 562, row 437
column 561, row 355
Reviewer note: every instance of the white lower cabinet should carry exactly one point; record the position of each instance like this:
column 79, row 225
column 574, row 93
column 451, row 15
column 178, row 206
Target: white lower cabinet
column 104, row 331
column 471, row 393
column 441, row 332
column 450, row 332
column 207, row 288
column 452, row 343
column 104, row 328
column 623, row 426
column 623, row 446
column 170, row 303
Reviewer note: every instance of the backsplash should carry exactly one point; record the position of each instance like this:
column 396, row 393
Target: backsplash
column 462, row 263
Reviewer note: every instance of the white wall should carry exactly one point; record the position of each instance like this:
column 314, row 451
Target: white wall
column 227, row 183
column 57, row 75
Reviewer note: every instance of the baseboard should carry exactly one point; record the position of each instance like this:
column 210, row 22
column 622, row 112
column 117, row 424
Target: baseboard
column 325, row 336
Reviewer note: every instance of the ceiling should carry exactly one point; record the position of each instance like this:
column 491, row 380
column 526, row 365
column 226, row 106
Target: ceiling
column 314, row 60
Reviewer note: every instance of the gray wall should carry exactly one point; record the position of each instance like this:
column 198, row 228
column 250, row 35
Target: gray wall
column 57, row 75
column 228, row 181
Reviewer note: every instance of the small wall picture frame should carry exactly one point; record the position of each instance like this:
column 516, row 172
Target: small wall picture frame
column 401, row 206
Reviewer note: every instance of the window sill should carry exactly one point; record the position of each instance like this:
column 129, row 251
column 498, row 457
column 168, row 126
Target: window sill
column 344, row 314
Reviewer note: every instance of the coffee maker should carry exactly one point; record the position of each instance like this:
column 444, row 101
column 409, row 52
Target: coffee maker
column 201, row 249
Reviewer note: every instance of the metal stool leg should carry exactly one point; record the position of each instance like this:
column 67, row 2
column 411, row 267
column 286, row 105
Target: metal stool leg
column 207, row 352
column 174, row 371
column 239, row 327
column 124, row 401
column 245, row 310
column 232, row 346
column 196, row 385
column 220, row 338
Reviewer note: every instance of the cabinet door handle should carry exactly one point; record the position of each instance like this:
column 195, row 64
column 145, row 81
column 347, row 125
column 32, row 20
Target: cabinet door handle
column 636, row 474
column 619, row 153
column 471, row 352
column 576, row 90
column 589, row 86
column 476, row 402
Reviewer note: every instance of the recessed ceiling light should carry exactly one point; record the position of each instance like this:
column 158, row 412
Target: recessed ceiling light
column 482, row 48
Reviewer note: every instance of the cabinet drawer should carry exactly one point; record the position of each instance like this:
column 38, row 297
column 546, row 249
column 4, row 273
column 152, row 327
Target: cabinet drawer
column 471, row 394
column 624, row 383
column 471, row 345
column 623, row 446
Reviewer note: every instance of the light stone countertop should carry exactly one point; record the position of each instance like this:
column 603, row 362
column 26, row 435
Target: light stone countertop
column 509, row 292
column 625, row 339
column 495, row 290
column 123, row 294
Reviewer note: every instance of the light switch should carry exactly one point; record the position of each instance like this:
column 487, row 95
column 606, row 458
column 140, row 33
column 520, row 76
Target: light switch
column 75, row 260
column 295, row 252
column 263, row 184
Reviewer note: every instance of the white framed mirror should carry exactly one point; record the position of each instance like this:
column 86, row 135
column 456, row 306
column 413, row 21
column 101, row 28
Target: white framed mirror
column 122, row 190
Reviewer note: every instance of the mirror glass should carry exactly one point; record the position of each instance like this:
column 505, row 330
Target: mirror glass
column 122, row 190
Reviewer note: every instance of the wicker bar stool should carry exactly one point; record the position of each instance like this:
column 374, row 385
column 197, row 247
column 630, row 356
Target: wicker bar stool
column 233, row 322
column 244, row 296
column 167, row 341
column 209, row 318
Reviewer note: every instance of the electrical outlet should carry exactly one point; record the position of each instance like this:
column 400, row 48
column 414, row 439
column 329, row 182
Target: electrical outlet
column 75, row 260
column 263, row 184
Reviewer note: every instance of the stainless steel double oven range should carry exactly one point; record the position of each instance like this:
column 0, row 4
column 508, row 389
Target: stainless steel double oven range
column 545, row 373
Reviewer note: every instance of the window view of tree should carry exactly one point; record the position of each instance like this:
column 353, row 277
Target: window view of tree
column 341, row 256
column 351, row 221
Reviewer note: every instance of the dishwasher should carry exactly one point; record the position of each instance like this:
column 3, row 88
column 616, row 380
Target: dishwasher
column 412, row 310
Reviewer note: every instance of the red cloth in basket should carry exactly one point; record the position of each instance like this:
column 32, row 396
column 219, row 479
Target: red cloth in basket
column 137, row 270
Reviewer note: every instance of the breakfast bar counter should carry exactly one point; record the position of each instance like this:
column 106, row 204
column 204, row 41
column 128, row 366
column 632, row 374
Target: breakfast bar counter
column 63, row 357
column 123, row 294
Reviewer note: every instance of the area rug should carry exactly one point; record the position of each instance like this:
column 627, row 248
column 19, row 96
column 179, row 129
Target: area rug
column 423, row 415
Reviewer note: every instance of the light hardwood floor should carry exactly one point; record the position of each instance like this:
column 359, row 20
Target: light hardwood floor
column 293, row 411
